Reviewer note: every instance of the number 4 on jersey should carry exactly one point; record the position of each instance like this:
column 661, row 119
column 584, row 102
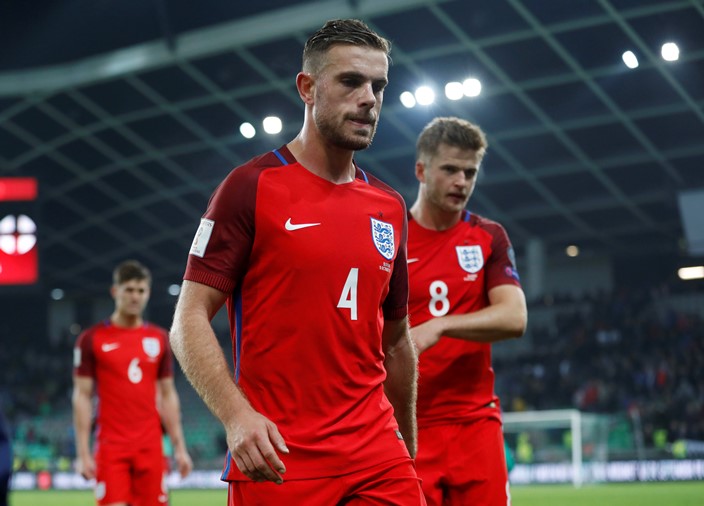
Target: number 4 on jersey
column 348, row 297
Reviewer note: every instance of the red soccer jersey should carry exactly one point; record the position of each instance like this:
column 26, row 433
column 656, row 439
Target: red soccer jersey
column 451, row 272
column 313, row 269
column 125, row 364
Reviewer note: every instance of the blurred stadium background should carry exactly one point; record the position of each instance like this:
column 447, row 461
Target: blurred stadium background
column 119, row 118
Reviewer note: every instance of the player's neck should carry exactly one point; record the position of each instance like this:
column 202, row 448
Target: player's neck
column 328, row 162
column 126, row 320
column 432, row 217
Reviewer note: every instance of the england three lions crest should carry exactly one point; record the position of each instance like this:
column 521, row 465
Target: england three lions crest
column 383, row 236
column 151, row 346
column 471, row 258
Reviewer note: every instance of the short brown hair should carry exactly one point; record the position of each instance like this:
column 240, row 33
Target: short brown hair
column 129, row 270
column 340, row 31
column 452, row 131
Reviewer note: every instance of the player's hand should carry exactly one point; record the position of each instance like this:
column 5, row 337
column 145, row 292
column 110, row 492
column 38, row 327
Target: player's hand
column 183, row 462
column 426, row 335
column 253, row 441
column 85, row 466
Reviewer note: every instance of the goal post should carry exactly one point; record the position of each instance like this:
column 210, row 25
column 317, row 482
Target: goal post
column 575, row 431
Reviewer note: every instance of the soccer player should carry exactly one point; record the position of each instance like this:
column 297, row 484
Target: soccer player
column 307, row 250
column 128, row 362
column 464, row 295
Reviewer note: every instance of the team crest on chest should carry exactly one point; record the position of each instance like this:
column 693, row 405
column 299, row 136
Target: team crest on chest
column 471, row 258
column 151, row 346
column 383, row 236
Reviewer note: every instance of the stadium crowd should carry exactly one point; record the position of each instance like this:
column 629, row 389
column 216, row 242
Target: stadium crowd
column 627, row 351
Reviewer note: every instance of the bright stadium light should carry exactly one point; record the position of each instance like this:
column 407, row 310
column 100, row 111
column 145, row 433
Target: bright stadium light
column 454, row 90
column 472, row 87
column 425, row 95
column 670, row 51
column 57, row 294
column 687, row 273
column 174, row 289
column 247, row 130
column 272, row 125
column 630, row 59
column 572, row 251
column 408, row 100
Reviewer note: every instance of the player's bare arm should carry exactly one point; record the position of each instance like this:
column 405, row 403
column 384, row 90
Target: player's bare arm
column 82, row 400
column 505, row 317
column 252, row 439
column 401, row 364
column 171, row 416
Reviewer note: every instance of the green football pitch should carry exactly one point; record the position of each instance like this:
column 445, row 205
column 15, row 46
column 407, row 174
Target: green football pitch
column 633, row 494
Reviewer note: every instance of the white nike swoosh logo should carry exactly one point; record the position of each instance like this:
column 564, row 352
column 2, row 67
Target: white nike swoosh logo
column 411, row 260
column 109, row 347
column 291, row 226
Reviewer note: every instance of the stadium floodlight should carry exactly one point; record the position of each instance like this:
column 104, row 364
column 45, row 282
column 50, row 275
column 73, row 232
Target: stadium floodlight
column 472, row 87
column 408, row 100
column 425, row 95
column 454, row 90
column 272, row 125
column 57, row 294
column 174, row 289
column 572, row 251
column 630, row 59
column 695, row 272
column 670, row 51
column 247, row 130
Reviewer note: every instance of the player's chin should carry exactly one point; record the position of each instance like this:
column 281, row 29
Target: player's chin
column 455, row 207
column 358, row 142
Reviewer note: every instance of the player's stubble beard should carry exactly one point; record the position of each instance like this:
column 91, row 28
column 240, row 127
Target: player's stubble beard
column 334, row 133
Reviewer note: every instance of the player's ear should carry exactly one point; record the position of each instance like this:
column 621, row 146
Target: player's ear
column 305, row 83
column 113, row 291
column 420, row 171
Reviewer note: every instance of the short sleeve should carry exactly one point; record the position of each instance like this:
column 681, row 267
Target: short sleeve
column 501, row 265
column 166, row 367
column 395, row 305
column 83, row 355
column 223, row 242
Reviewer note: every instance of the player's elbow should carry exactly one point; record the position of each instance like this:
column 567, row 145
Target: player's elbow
column 176, row 334
column 518, row 324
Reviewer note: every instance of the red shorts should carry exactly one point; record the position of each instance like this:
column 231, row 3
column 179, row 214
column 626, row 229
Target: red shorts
column 132, row 475
column 463, row 464
column 389, row 484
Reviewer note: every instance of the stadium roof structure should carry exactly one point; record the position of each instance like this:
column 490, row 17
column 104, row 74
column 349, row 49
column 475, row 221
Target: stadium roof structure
column 128, row 113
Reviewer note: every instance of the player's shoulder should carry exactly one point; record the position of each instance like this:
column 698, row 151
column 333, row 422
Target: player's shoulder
column 491, row 226
column 243, row 179
column 269, row 160
column 380, row 185
column 89, row 333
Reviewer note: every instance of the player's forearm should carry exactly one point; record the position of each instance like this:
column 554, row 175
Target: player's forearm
column 400, row 388
column 171, row 416
column 82, row 411
column 490, row 324
column 196, row 348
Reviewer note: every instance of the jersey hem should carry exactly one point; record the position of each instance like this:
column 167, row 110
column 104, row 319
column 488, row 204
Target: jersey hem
column 207, row 278
column 323, row 472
